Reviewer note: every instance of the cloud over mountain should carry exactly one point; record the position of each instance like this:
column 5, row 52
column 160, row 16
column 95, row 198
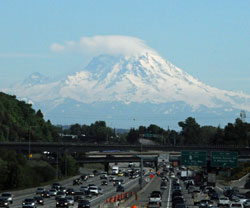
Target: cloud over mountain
column 111, row 44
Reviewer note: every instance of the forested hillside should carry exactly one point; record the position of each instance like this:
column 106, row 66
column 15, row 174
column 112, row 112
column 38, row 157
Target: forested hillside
column 19, row 122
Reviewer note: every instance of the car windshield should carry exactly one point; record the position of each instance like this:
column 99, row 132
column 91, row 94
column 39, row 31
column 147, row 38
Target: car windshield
column 29, row 200
column 6, row 195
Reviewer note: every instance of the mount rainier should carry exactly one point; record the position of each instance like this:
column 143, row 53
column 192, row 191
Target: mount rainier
column 127, row 91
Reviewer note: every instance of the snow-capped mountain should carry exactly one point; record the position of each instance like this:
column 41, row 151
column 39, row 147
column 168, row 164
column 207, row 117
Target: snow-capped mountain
column 121, row 88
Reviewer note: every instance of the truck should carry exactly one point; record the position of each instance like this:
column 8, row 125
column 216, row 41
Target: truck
column 211, row 179
column 184, row 174
column 115, row 170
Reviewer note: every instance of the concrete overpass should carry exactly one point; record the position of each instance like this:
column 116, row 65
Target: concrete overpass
column 24, row 147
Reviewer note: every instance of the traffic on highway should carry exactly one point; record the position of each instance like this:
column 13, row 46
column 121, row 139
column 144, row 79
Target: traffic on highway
column 169, row 186
column 90, row 189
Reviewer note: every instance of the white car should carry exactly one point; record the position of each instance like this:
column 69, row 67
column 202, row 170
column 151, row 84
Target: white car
column 236, row 205
column 94, row 190
column 247, row 203
column 223, row 201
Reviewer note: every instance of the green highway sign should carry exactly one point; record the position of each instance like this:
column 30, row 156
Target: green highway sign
column 194, row 158
column 224, row 159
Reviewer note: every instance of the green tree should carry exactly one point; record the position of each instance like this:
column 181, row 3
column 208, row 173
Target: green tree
column 133, row 136
column 190, row 131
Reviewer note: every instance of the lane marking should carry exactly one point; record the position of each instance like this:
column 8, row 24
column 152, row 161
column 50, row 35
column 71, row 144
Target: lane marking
column 169, row 191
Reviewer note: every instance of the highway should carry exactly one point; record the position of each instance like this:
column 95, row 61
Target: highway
column 108, row 191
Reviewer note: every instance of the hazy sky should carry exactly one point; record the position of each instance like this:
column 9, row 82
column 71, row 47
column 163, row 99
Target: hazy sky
column 208, row 39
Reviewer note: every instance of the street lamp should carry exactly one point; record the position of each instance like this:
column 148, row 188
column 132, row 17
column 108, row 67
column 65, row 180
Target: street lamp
column 29, row 139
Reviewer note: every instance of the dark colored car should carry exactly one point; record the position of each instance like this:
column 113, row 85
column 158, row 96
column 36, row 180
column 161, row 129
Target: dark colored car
column 84, row 177
column 83, row 204
column 181, row 205
column 70, row 192
column 62, row 202
column 56, row 186
column 4, row 202
column 177, row 200
column 78, row 195
column 214, row 196
column 120, row 188
column 39, row 200
column 247, row 185
column 29, row 202
column 45, row 194
column 104, row 183
column 153, row 204
column 88, row 194
column 77, row 182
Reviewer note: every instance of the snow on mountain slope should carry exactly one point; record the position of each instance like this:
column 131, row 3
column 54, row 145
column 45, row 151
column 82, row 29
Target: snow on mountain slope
column 130, row 86
column 145, row 78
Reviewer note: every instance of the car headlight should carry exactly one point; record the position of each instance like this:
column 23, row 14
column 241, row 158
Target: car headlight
column 66, row 203
column 6, row 203
column 23, row 203
column 40, row 201
column 57, row 202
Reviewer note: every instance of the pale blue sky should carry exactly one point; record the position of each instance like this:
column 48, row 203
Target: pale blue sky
column 210, row 39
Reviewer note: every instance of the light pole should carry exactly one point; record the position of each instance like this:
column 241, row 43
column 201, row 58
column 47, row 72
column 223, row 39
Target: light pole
column 29, row 139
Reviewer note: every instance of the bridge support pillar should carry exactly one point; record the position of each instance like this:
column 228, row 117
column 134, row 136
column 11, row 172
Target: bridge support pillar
column 106, row 167
column 156, row 165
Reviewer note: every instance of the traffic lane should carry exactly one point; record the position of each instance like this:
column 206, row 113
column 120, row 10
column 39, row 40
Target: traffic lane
column 17, row 201
column 143, row 196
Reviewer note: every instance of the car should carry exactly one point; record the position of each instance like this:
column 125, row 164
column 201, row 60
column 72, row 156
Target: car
column 4, row 202
column 112, row 178
column 84, row 177
column 224, row 201
column 52, row 192
column 120, row 188
column 29, row 202
column 78, row 195
column 164, row 185
column 62, row 202
column 181, row 205
column 40, row 190
column 176, row 194
column 100, row 190
column 103, row 176
column 205, row 203
column 120, row 174
column 104, row 183
column 87, row 194
column 236, row 205
column 247, row 203
column 71, row 200
column 56, row 186
column 214, row 196
column 177, row 200
column 70, row 191
column 39, row 200
column 247, row 185
column 45, row 194
column 60, row 194
column 84, row 188
column 9, row 196
column 84, row 204
column 77, row 181
column 153, row 204
column 94, row 190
